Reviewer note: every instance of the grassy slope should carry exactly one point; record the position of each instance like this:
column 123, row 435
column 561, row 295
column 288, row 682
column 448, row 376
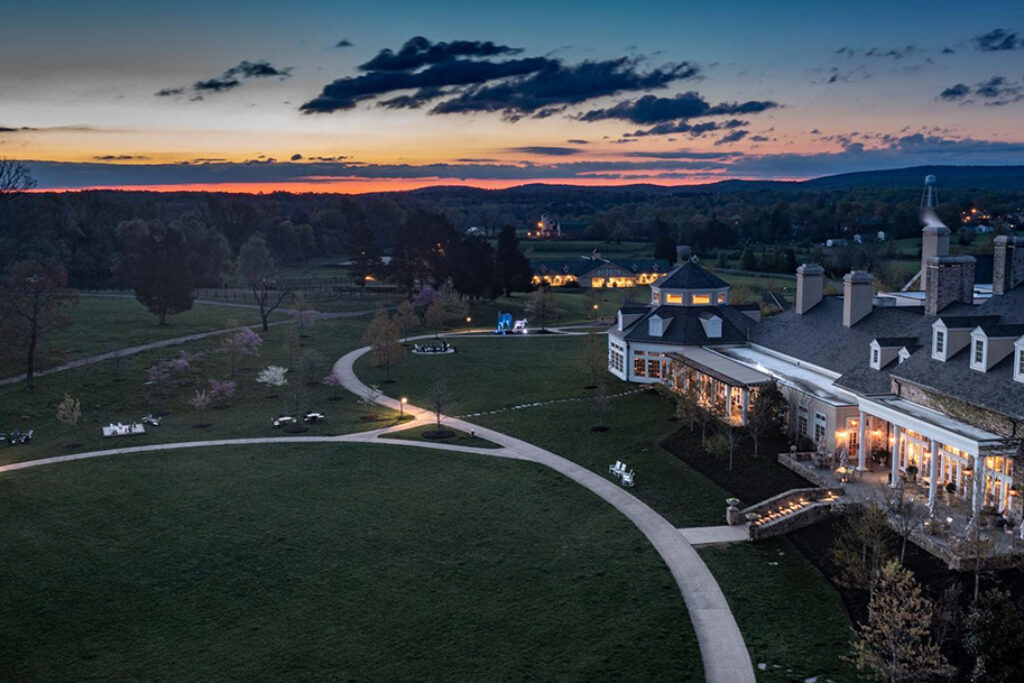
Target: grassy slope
column 790, row 616
column 327, row 562
column 111, row 394
column 102, row 324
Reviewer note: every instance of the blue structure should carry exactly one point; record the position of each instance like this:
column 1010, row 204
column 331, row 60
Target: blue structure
column 504, row 323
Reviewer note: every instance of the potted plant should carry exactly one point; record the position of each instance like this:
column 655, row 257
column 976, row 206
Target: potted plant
column 911, row 473
column 950, row 493
column 732, row 502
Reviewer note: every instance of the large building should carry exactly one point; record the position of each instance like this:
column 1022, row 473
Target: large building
column 937, row 387
column 598, row 272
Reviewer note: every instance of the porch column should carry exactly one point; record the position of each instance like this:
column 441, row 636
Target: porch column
column 860, row 442
column 746, row 397
column 728, row 401
column 895, row 457
column 933, row 477
column 979, row 484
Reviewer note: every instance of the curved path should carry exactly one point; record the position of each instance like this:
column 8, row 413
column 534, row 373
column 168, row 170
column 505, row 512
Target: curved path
column 174, row 341
column 723, row 651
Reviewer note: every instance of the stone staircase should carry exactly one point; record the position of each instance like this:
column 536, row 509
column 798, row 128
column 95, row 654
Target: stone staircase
column 787, row 511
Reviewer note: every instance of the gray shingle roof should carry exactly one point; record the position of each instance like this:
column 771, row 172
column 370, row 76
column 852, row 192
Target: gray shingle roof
column 683, row 326
column 691, row 275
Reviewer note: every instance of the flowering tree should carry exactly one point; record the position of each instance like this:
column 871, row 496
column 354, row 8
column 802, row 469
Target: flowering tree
column 221, row 390
column 241, row 344
column 272, row 376
column 334, row 382
column 201, row 401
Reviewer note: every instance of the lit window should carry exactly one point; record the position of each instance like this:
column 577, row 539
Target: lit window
column 638, row 367
column 699, row 299
column 673, row 299
column 940, row 341
column 979, row 352
column 820, row 423
column 653, row 368
column 720, row 298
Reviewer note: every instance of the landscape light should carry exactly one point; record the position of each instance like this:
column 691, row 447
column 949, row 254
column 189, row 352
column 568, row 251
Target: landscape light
column 401, row 406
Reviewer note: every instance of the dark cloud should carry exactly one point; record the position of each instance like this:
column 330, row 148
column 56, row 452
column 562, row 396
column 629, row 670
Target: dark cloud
column 734, row 136
column 216, row 85
column 296, row 157
column 20, row 129
column 878, row 52
column 261, row 69
column 556, row 86
column 415, row 101
column 683, row 154
column 464, row 79
column 345, row 93
column 228, row 80
column 546, row 151
column 652, row 109
column 694, row 130
column 418, row 52
column 955, row 92
column 344, row 42
column 758, row 138
column 118, row 157
column 948, row 51
column 996, row 87
column 998, row 40
column 577, row 141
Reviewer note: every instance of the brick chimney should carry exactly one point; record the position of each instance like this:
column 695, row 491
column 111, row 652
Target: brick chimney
column 858, row 294
column 1008, row 263
column 934, row 242
column 950, row 279
column 810, row 284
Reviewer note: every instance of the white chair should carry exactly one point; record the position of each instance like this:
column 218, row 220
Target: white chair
column 617, row 469
column 627, row 479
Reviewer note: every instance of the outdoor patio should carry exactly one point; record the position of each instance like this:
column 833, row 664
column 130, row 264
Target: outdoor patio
column 943, row 532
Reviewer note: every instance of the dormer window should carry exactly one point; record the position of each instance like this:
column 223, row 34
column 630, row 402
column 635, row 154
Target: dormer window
column 940, row 343
column 1018, row 361
column 903, row 355
column 979, row 352
column 876, row 357
column 712, row 326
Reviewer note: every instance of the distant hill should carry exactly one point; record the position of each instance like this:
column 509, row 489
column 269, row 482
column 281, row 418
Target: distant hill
column 992, row 178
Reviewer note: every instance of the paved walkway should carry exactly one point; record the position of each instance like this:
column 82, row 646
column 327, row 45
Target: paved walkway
column 162, row 343
column 709, row 535
column 723, row 651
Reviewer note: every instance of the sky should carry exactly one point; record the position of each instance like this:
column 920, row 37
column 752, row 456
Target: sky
column 354, row 97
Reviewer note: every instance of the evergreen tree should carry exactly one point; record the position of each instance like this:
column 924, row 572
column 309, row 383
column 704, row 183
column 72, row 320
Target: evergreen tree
column 513, row 272
column 163, row 277
column 664, row 244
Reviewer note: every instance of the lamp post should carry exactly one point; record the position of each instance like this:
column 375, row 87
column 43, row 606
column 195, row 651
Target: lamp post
column 469, row 320
column 401, row 407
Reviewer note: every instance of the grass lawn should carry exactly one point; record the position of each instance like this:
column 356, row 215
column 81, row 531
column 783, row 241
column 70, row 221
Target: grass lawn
column 491, row 372
column 459, row 438
column 354, row 562
column 102, row 324
column 117, row 393
column 790, row 616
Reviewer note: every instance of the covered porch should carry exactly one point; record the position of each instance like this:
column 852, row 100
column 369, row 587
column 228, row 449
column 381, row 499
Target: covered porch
column 943, row 456
column 719, row 384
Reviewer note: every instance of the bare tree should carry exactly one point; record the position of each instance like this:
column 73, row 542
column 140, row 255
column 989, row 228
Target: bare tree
column 541, row 306
column 905, row 514
column 439, row 397
column 14, row 179
column 594, row 357
column 32, row 303
column 766, row 414
column 863, row 546
column 258, row 270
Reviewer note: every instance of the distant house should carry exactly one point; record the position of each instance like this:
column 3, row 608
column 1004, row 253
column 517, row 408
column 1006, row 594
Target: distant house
column 837, row 242
column 598, row 272
column 549, row 228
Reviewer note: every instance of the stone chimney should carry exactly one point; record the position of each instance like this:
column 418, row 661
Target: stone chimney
column 950, row 279
column 858, row 293
column 1008, row 263
column 810, row 284
column 934, row 242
